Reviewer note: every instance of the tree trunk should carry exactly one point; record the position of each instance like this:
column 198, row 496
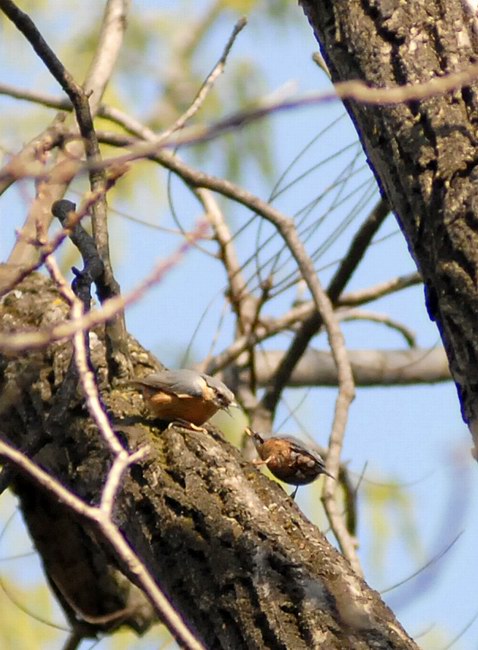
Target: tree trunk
column 423, row 153
column 229, row 548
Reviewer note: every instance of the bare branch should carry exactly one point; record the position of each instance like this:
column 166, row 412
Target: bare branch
column 11, row 275
column 111, row 37
column 111, row 534
column 369, row 367
column 38, row 339
column 30, row 160
column 347, row 90
column 243, row 303
column 113, row 27
column 110, row 113
column 206, row 86
column 362, row 296
column 359, row 244
column 310, row 325
column 374, row 317
column 269, row 327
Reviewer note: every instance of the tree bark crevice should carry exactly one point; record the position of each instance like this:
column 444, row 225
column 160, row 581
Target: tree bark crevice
column 423, row 153
column 228, row 546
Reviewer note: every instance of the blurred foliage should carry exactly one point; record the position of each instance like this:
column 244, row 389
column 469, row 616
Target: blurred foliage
column 18, row 628
column 169, row 49
column 390, row 514
column 166, row 56
column 167, row 53
column 23, row 591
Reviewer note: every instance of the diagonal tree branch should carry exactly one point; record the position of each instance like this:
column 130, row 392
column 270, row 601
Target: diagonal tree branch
column 232, row 552
column 99, row 74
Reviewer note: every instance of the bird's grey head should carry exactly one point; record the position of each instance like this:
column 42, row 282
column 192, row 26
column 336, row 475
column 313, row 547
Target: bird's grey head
column 223, row 397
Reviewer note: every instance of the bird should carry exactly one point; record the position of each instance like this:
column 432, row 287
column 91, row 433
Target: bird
column 288, row 459
column 185, row 396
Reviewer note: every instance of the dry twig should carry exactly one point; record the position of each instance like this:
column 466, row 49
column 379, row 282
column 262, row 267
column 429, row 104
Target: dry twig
column 98, row 76
column 101, row 519
column 24, row 341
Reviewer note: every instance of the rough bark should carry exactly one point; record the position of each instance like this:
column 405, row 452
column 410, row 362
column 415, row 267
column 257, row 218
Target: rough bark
column 230, row 549
column 424, row 154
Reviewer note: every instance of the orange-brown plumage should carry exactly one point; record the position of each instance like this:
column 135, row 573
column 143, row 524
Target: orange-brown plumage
column 288, row 459
column 166, row 406
column 184, row 395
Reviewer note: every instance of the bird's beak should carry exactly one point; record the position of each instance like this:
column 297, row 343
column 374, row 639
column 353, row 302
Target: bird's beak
column 233, row 404
column 256, row 437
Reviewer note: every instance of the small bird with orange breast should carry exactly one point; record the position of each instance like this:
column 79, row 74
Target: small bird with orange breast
column 185, row 396
column 288, row 459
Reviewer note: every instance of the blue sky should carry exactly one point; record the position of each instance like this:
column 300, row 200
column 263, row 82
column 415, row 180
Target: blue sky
column 413, row 435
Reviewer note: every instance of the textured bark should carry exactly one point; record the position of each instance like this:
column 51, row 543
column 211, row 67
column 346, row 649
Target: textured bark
column 424, row 154
column 228, row 546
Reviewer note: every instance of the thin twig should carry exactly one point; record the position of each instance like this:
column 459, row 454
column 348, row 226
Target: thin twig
column 269, row 327
column 100, row 71
column 86, row 376
column 355, row 90
column 113, row 536
column 374, row 317
column 206, row 86
column 362, row 296
column 108, row 48
column 47, row 247
column 243, row 303
column 41, row 338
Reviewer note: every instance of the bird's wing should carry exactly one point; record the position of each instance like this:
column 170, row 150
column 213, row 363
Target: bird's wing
column 176, row 382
